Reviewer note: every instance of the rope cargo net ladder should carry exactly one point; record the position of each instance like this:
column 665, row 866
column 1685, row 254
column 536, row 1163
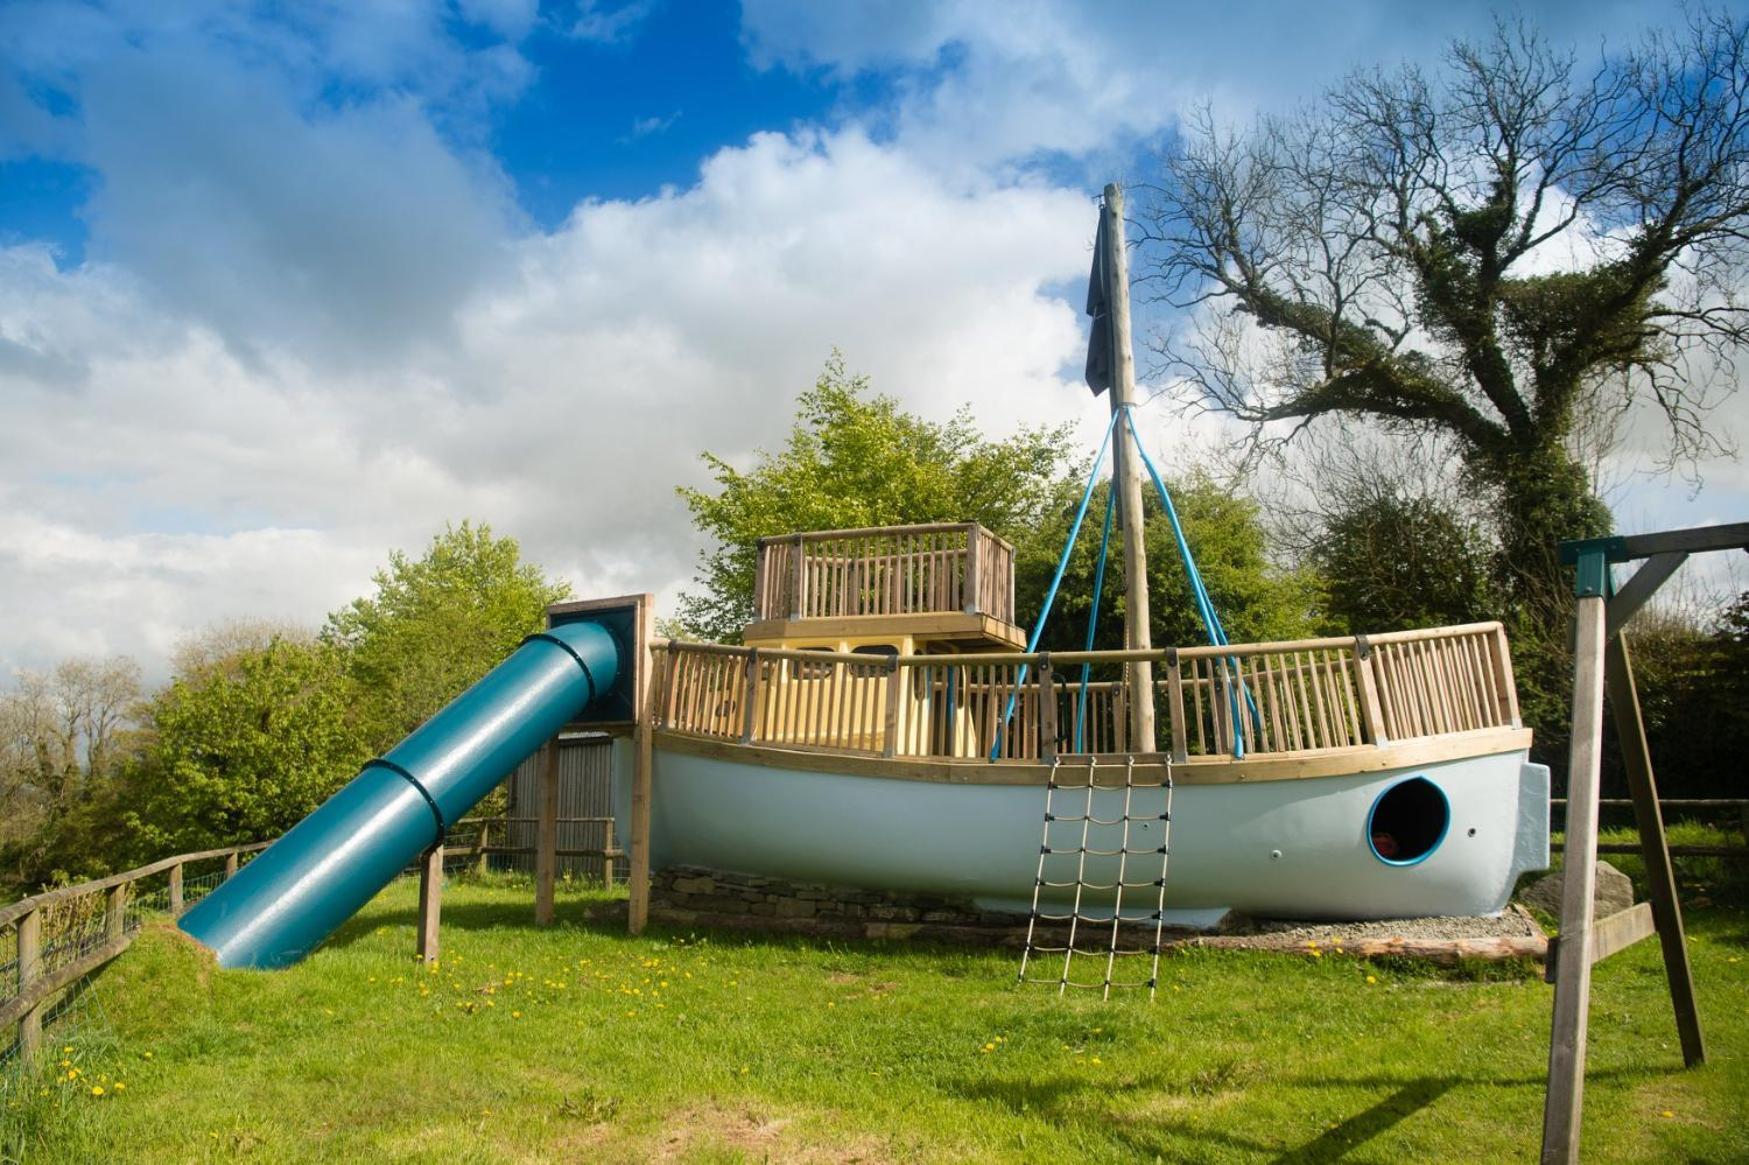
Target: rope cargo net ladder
column 1136, row 822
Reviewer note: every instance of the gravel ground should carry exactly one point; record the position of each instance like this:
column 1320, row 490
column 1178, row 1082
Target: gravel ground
column 1511, row 922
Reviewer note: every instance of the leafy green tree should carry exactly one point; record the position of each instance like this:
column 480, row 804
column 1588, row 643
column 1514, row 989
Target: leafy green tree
column 1255, row 598
column 247, row 741
column 853, row 459
column 435, row 625
column 1393, row 561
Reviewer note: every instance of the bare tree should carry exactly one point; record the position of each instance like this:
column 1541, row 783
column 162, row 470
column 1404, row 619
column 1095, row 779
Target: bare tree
column 59, row 731
column 1501, row 253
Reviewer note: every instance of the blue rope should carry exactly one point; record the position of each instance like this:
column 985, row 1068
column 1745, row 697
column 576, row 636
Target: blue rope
column 1038, row 628
column 1093, row 616
column 1204, row 604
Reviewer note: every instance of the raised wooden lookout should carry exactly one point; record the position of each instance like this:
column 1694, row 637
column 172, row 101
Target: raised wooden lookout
column 896, row 590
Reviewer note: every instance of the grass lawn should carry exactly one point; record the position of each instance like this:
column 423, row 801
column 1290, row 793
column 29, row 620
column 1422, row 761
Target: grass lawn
column 579, row 1043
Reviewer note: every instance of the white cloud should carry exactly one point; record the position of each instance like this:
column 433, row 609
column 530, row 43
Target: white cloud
column 307, row 332
column 563, row 405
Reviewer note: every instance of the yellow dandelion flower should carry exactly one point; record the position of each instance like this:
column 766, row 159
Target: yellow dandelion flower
column 1093, row 1060
column 1372, row 978
column 120, row 1087
column 516, row 1015
column 97, row 1090
column 1667, row 1114
column 148, row 1055
column 67, row 1050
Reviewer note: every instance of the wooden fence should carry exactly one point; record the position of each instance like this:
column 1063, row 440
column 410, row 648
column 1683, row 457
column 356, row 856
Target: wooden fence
column 890, row 570
column 52, row 940
column 1307, row 696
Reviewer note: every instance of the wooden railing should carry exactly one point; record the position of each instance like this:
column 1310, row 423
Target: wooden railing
column 888, row 570
column 1314, row 695
column 52, row 940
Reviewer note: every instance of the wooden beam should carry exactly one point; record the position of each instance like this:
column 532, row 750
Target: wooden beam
column 1572, row 1010
column 176, row 902
column 1630, row 729
column 1611, row 935
column 1645, row 583
column 1734, row 536
column 430, row 902
column 1622, row 930
column 546, row 832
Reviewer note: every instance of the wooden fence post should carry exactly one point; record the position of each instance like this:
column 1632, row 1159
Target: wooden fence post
column 796, row 580
column 230, row 865
column 485, row 839
column 30, row 1024
column 546, row 859
column 176, row 890
column 430, row 901
column 115, row 914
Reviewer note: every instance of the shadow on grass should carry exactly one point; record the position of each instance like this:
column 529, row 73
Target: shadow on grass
column 1070, row 1100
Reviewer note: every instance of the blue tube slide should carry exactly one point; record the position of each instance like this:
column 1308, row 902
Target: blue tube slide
column 280, row 907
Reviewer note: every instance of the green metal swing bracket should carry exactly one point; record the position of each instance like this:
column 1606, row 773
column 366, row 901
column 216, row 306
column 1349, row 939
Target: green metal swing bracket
column 1591, row 557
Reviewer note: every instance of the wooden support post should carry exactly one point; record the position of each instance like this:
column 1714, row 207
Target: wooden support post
column 1127, row 478
column 1047, row 710
column 750, row 696
column 1579, row 884
column 796, row 579
column 1630, row 729
column 546, row 844
column 1372, row 719
column 480, row 845
column 115, row 915
column 1175, row 706
column 972, row 600
column 890, row 729
column 638, row 873
column 430, row 901
column 230, row 865
column 30, row 947
column 176, row 890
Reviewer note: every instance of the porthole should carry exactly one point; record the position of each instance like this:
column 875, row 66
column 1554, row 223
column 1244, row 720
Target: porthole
column 1407, row 822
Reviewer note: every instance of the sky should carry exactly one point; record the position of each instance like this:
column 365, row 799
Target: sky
column 286, row 286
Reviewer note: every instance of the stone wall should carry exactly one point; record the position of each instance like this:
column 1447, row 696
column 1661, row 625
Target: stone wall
column 690, row 896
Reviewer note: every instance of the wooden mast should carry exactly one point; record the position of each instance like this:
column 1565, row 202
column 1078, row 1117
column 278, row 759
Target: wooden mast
column 1126, row 478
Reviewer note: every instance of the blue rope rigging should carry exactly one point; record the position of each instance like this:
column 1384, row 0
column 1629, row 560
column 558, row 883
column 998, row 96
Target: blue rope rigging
column 1038, row 628
column 1093, row 615
column 1205, row 606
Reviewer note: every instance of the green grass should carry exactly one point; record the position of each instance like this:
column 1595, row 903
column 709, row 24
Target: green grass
column 577, row 1042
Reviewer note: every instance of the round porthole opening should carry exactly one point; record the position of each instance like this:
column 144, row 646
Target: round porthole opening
column 1407, row 822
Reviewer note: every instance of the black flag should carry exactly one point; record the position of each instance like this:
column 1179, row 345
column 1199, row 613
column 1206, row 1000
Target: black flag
column 1099, row 355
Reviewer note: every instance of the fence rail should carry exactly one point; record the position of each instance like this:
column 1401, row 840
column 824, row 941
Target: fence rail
column 888, row 570
column 1306, row 696
column 51, row 940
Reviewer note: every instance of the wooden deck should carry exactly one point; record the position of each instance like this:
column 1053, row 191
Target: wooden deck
column 1299, row 699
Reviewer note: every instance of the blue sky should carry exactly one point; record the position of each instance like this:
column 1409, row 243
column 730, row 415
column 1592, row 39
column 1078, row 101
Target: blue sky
column 283, row 286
